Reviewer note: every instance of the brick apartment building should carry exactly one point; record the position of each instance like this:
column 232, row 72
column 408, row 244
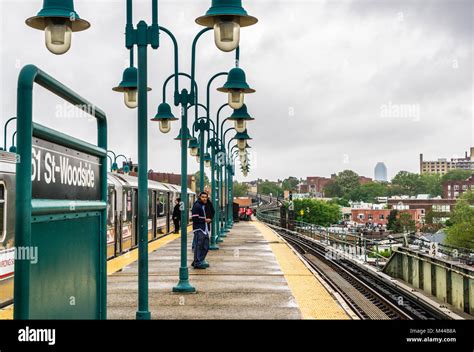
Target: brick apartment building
column 454, row 189
column 441, row 208
column 380, row 216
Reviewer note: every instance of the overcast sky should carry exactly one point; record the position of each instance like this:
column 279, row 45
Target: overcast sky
column 340, row 84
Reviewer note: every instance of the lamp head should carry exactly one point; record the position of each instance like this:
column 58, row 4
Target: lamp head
column 58, row 20
column 236, row 87
column 164, row 116
column 240, row 118
column 226, row 17
column 193, row 146
column 187, row 135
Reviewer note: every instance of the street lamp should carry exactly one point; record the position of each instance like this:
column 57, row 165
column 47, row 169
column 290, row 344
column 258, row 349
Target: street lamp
column 242, row 138
column 207, row 160
column 164, row 116
column 129, row 85
column 180, row 135
column 240, row 118
column 58, row 20
column 236, row 87
column 193, row 147
column 226, row 17
column 5, row 132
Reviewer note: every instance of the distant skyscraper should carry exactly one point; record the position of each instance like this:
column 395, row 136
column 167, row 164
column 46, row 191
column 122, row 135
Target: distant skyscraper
column 380, row 172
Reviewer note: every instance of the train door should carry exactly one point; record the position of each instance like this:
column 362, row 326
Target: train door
column 170, row 207
column 7, row 251
column 126, row 220
column 151, row 215
column 160, row 213
column 111, row 222
column 134, row 217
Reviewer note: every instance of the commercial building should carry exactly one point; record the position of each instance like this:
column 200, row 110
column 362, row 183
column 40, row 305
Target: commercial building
column 380, row 172
column 442, row 166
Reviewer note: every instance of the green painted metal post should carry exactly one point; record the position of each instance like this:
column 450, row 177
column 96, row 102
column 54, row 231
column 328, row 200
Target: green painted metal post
column 221, row 197
column 143, row 312
column 183, row 285
column 23, row 194
column 201, row 160
column 218, row 198
column 213, row 245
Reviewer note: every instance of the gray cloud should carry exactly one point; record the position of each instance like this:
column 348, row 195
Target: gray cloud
column 322, row 70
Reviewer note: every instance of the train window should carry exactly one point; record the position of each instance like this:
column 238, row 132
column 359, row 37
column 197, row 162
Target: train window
column 160, row 205
column 127, row 205
column 150, row 203
column 111, row 207
column 3, row 212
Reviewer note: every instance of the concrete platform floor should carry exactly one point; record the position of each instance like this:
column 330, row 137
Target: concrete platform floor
column 244, row 281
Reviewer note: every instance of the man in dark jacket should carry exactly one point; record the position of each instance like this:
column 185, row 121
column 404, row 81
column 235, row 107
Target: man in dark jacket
column 177, row 215
column 201, row 231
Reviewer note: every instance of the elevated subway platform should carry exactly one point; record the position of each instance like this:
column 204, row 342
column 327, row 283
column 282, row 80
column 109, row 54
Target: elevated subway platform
column 254, row 275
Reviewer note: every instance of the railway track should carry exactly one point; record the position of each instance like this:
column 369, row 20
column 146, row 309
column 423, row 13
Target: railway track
column 370, row 297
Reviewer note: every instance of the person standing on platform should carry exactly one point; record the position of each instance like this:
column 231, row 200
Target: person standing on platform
column 177, row 215
column 201, row 231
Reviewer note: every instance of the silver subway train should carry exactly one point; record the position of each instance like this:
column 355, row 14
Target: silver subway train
column 121, row 216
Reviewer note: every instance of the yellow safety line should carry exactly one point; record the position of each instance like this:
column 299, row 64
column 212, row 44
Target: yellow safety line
column 128, row 258
column 6, row 313
column 314, row 301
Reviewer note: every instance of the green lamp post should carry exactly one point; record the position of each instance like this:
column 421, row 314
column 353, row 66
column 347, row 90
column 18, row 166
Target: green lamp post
column 140, row 36
column 58, row 20
column 236, row 87
column 226, row 17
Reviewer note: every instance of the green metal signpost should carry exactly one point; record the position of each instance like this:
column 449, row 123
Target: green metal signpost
column 61, row 198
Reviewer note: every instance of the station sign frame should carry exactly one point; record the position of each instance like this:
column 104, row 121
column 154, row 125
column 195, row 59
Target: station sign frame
column 65, row 219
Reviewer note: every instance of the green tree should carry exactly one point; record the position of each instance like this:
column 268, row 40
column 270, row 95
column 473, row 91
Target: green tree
column 268, row 187
column 407, row 183
column 197, row 177
column 240, row 189
column 456, row 175
column 348, row 181
column 369, row 192
column 392, row 219
column 332, row 190
column 317, row 212
column 343, row 202
column 405, row 223
column 461, row 232
column 431, row 184
column 290, row 184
